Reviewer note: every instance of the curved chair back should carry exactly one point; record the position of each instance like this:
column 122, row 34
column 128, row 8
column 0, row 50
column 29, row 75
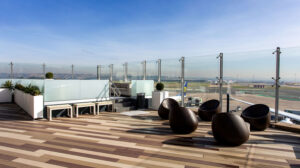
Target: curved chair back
column 165, row 107
column 258, row 116
column 208, row 109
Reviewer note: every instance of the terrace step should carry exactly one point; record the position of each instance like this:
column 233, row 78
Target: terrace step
column 125, row 99
column 122, row 109
column 124, row 104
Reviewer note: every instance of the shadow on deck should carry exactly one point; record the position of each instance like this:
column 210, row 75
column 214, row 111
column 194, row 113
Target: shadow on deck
column 11, row 112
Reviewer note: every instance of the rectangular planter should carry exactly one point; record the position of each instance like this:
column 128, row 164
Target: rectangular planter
column 5, row 95
column 158, row 97
column 33, row 105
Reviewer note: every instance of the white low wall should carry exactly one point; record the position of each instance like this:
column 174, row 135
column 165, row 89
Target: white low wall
column 5, row 95
column 33, row 105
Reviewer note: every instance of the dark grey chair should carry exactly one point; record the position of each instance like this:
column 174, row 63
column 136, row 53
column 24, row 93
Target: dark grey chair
column 258, row 116
column 230, row 129
column 165, row 106
column 208, row 109
column 182, row 120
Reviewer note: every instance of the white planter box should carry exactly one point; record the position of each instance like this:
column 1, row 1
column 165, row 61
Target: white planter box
column 158, row 97
column 33, row 105
column 5, row 95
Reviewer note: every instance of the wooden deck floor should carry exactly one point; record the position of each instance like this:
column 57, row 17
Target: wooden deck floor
column 116, row 140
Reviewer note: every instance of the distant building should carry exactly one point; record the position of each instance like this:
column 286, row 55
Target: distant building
column 257, row 85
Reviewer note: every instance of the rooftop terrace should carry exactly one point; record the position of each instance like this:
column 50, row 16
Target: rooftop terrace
column 117, row 140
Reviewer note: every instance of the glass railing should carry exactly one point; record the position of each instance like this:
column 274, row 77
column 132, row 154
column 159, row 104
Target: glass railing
column 60, row 71
column 4, row 70
column 247, row 76
column 170, row 75
column 201, row 79
column 27, row 70
column 86, row 72
column 118, row 72
column 135, row 71
column 152, row 70
column 70, row 90
column 290, row 80
column 142, row 86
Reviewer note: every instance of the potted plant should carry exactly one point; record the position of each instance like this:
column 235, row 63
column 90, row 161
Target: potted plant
column 30, row 99
column 49, row 75
column 6, row 92
column 159, row 95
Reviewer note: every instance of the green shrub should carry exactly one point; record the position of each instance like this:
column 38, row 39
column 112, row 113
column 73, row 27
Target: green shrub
column 49, row 75
column 19, row 87
column 8, row 84
column 33, row 90
column 160, row 86
column 30, row 89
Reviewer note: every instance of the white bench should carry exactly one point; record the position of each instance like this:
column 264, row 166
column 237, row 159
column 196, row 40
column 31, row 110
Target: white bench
column 79, row 105
column 59, row 107
column 104, row 103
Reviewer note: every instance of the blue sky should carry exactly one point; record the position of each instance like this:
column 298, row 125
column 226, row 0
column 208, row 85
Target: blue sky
column 106, row 31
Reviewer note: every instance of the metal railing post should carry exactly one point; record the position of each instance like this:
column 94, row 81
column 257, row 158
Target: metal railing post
column 125, row 72
column 44, row 70
column 144, row 70
column 182, row 81
column 111, row 66
column 98, row 72
column 220, row 79
column 159, row 70
column 72, row 71
column 11, row 70
column 110, row 79
column 277, row 83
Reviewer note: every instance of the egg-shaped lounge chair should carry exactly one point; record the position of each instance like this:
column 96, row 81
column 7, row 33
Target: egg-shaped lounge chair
column 182, row 120
column 208, row 109
column 230, row 129
column 258, row 116
column 165, row 106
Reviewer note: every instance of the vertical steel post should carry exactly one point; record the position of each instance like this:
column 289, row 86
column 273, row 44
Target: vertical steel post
column 72, row 71
column 11, row 70
column 159, row 70
column 111, row 66
column 221, row 79
column 182, row 81
column 277, row 83
column 144, row 70
column 98, row 72
column 228, row 105
column 125, row 72
column 44, row 70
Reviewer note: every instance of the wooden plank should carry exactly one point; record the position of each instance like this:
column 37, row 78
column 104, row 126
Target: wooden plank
column 115, row 140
